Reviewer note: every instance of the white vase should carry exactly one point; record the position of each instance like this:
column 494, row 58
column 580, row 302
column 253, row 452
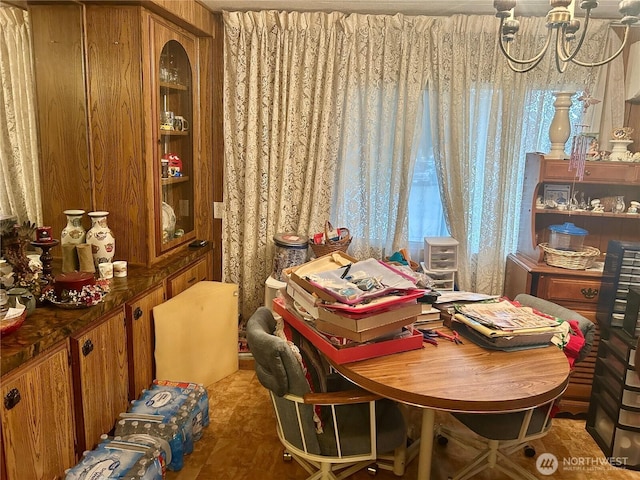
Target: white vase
column 74, row 232
column 101, row 239
column 560, row 128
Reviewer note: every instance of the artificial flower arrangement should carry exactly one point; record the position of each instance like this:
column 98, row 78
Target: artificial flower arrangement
column 88, row 296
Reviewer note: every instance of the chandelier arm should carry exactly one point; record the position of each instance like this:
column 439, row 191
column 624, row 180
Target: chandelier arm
column 524, row 69
column 561, row 65
column 562, row 51
column 536, row 58
column 603, row 62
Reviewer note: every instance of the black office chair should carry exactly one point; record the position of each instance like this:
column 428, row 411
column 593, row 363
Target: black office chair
column 499, row 435
column 330, row 434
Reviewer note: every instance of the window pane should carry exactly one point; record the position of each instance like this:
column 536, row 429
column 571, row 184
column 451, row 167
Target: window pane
column 426, row 216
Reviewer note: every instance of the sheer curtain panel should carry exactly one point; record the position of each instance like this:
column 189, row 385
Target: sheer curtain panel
column 20, row 181
column 484, row 118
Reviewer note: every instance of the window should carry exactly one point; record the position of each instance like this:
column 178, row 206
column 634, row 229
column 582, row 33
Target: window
column 426, row 214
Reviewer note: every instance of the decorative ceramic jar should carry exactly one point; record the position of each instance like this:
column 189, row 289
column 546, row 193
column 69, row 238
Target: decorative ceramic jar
column 74, row 232
column 100, row 237
column 619, row 152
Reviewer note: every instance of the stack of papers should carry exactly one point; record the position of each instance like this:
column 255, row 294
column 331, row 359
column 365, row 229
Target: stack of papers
column 506, row 317
column 503, row 325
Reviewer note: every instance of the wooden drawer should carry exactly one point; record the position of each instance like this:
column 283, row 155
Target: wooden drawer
column 595, row 172
column 194, row 273
column 570, row 291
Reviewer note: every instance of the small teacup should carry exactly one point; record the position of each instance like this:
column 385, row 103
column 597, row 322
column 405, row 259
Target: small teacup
column 120, row 268
column 106, row 270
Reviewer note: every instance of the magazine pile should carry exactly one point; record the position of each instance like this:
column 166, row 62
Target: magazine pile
column 503, row 325
column 350, row 303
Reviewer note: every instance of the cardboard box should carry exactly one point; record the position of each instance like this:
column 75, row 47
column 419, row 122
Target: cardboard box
column 363, row 335
column 367, row 321
column 354, row 353
column 305, row 299
column 325, row 263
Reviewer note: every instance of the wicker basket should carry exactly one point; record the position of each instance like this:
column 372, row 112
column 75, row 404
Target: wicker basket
column 320, row 249
column 568, row 259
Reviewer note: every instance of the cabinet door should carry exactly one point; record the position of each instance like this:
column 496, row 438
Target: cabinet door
column 37, row 418
column 198, row 271
column 140, row 339
column 176, row 124
column 99, row 361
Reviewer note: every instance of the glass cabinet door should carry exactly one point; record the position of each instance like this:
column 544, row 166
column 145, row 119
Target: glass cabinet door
column 175, row 169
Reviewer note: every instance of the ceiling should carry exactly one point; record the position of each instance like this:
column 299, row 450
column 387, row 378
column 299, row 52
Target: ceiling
column 606, row 8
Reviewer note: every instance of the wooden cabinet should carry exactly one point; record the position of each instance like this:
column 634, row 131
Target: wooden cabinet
column 99, row 79
column 602, row 180
column 38, row 435
column 140, row 339
column 199, row 271
column 578, row 290
column 100, row 374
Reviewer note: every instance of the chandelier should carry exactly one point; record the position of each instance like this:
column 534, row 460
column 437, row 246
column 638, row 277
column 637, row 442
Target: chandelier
column 562, row 21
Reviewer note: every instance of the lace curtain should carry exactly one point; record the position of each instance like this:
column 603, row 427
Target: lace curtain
column 323, row 119
column 282, row 115
column 318, row 108
column 484, row 118
column 389, row 59
column 20, row 181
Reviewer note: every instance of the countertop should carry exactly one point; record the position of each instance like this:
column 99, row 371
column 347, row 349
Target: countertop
column 50, row 324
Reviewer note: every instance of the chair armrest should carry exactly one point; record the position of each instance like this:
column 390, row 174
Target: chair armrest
column 344, row 397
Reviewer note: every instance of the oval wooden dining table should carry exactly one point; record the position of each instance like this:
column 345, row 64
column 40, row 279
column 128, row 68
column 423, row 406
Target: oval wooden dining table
column 461, row 378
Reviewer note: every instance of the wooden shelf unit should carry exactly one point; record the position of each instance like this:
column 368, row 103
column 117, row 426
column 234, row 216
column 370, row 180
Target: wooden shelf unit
column 579, row 290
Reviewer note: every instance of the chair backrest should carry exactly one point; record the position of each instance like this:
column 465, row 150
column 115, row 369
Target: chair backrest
column 586, row 326
column 280, row 371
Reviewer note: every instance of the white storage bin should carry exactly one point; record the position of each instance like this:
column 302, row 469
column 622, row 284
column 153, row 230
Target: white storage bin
column 441, row 253
column 627, row 445
column 631, row 398
column 629, row 418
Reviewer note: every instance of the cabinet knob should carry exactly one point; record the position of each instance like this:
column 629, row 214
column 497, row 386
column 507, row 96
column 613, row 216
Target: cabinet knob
column 589, row 292
column 87, row 348
column 12, row 398
column 587, row 172
column 137, row 313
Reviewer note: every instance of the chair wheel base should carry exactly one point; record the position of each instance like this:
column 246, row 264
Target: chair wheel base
column 529, row 452
column 287, row 457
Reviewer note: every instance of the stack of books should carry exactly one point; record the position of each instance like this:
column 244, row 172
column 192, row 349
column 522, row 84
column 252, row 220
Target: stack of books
column 345, row 323
column 429, row 317
column 505, row 326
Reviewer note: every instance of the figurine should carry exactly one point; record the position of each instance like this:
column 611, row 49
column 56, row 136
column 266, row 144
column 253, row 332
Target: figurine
column 597, row 206
column 633, row 207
